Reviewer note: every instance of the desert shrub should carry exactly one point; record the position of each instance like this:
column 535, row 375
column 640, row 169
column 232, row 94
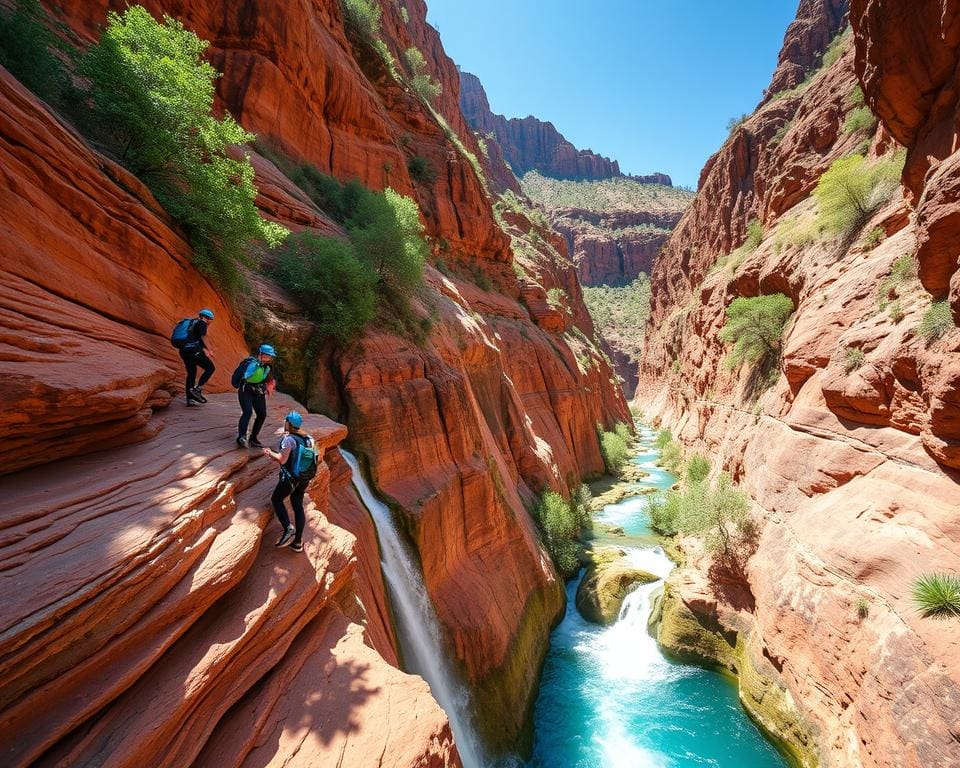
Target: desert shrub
column 835, row 49
column 26, row 49
column 671, row 457
column 698, row 469
column 863, row 607
column 152, row 93
column 735, row 122
column 852, row 188
column 614, row 449
column 937, row 595
column 860, row 119
column 895, row 311
column 623, row 431
column 936, row 321
column 792, row 230
column 853, row 358
column 856, row 97
column 363, row 17
column 557, row 298
column 874, row 237
column 561, row 522
column 404, row 14
column 421, row 170
column 755, row 327
column 781, row 133
column 664, row 438
column 337, row 289
column 422, row 83
column 904, row 269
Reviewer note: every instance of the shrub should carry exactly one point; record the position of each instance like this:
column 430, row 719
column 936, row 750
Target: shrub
column 936, row 321
column 856, row 97
column 835, row 49
column 152, row 93
column 363, row 17
column 337, row 200
column 26, row 45
column 895, row 311
column 671, row 457
column 421, row 170
column 781, row 133
column 557, row 298
column 937, row 595
column 735, row 122
column 851, row 189
column 860, row 119
column 698, row 469
column 334, row 285
column 664, row 438
column 904, row 269
column 614, row 449
column 874, row 237
column 853, row 358
column 623, row 432
column 425, row 86
column 561, row 522
column 863, row 607
column 755, row 327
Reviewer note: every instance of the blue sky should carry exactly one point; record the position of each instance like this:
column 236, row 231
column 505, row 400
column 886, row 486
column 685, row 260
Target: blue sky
column 651, row 83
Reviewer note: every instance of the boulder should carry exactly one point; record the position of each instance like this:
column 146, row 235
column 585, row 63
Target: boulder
column 604, row 587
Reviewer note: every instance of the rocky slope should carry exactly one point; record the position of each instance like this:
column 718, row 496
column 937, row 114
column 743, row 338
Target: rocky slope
column 459, row 433
column 852, row 466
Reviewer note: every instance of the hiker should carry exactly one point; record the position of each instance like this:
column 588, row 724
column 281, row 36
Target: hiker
column 187, row 337
column 254, row 380
column 298, row 465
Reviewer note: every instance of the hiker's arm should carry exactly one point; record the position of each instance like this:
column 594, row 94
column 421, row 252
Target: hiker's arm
column 281, row 456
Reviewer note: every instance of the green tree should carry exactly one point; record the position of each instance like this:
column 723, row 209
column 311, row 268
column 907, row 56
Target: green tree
column 152, row 93
column 26, row 49
column 698, row 468
column 336, row 288
column 425, row 86
column 755, row 327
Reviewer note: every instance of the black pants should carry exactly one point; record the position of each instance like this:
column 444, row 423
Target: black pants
column 295, row 490
column 193, row 359
column 252, row 399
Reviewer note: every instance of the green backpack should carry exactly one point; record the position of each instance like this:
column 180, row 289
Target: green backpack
column 302, row 464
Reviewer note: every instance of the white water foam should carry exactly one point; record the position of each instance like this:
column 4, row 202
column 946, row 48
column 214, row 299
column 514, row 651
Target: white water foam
column 417, row 625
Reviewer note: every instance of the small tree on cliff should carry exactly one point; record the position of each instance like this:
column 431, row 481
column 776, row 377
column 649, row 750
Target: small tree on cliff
column 755, row 328
column 151, row 93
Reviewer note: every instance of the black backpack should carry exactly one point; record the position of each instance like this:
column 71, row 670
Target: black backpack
column 237, row 379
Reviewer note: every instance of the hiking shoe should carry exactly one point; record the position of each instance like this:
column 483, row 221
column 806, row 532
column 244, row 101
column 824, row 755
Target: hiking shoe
column 242, row 441
column 192, row 399
column 197, row 394
column 287, row 538
column 297, row 546
column 254, row 443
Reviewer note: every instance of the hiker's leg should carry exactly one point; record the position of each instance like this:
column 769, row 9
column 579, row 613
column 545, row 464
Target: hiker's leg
column 296, row 501
column 190, row 363
column 279, row 494
column 207, row 365
column 246, row 409
column 259, row 402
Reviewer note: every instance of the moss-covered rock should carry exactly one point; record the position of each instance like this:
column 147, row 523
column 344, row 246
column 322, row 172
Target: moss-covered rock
column 605, row 585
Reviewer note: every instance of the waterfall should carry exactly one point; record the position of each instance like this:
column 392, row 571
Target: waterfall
column 418, row 630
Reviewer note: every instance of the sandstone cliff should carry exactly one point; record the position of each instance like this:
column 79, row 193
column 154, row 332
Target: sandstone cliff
column 460, row 433
column 851, row 460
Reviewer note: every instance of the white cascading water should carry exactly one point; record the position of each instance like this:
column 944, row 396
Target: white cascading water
column 417, row 627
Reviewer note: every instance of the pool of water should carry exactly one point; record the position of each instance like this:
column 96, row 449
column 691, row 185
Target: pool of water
column 608, row 697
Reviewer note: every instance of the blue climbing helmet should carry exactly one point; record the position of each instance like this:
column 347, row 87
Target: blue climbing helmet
column 295, row 419
column 207, row 313
column 266, row 349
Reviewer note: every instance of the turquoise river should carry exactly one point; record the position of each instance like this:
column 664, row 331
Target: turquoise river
column 610, row 698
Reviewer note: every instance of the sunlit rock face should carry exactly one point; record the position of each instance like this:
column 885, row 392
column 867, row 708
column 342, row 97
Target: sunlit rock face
column 851, row 460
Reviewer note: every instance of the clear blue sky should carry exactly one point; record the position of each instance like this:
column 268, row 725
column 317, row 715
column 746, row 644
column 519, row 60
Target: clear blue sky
column 651, row 83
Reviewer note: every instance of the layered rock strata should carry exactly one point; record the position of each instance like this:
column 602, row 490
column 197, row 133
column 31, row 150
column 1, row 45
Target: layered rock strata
column 851, row 461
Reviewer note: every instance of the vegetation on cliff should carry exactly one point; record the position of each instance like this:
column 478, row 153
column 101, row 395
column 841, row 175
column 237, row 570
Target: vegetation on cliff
column 620, row 313
column 937, row 595
column 853, row 188
column 615, row 447
column 755, row 328
column 561, row 522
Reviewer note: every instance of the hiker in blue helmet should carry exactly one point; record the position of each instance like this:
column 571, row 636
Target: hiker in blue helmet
column 254, row 380
column 298, row 465
column 188, row 337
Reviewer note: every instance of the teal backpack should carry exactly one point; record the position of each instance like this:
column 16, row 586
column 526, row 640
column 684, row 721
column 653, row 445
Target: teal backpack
column 302, row 464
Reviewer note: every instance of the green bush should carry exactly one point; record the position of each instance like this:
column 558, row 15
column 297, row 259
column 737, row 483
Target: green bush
column 26, row 45
column 422, row 83
column 937, row 595
column 860, row 119
column 561, row 522
column 853, row 358
column 335, row 287
column 835, row 49
column 671, row 457
column 895, row 311
column 698, row 469
column 856, row 97
column 363, row 17
column 874, row 237
column 421, row 170
column 623, row 431
column 851, row 189
column 755, row 328
column 152, row 93
column 664, row 438
column 936, row 321
column 339, row 201
column 863, row 607
column 614, row 449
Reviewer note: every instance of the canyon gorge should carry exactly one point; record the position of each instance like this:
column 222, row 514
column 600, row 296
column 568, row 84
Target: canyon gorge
column 148, row 620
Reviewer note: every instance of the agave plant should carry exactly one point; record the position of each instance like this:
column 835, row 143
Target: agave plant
column 937, row 594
